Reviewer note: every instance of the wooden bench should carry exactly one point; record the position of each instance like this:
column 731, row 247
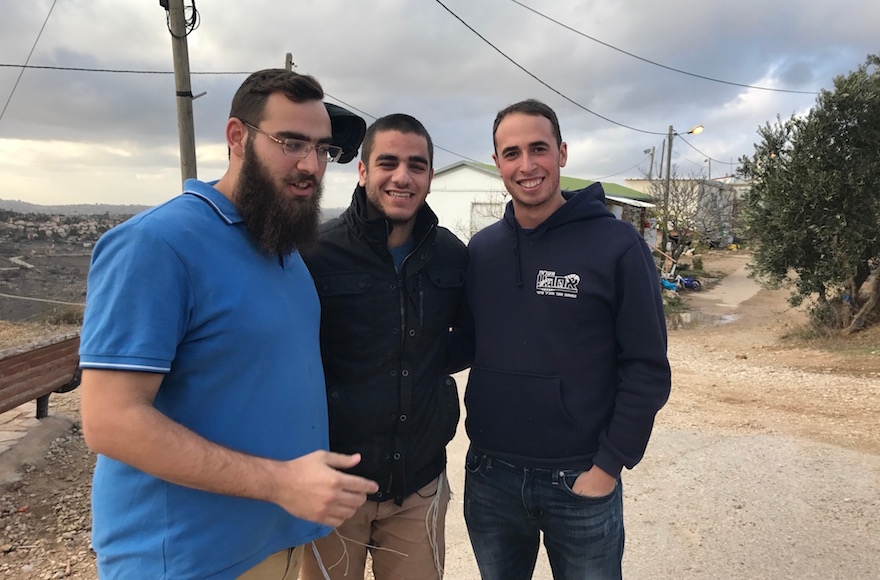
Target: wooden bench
column 37, row 370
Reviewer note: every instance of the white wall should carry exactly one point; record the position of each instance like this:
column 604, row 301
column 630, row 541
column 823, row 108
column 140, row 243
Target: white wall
column 453, row 192
column 642, row 185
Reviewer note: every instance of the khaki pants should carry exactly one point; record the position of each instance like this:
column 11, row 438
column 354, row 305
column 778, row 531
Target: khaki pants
column 283, row 565
column 405, row 542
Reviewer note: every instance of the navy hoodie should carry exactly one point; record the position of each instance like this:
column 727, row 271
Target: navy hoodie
column 570, row 364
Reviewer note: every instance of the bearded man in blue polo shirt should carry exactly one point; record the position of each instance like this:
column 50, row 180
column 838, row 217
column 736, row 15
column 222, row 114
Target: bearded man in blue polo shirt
column 203, row 389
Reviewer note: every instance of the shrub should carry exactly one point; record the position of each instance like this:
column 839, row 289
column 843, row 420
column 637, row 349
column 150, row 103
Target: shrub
column 72, row 315
column 673, row 304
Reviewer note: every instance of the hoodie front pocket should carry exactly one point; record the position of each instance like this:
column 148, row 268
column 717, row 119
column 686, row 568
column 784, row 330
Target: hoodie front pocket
column 519, row 414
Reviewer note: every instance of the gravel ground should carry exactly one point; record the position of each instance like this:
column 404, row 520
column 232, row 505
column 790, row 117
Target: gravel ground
column 765, row 464
column 45, row 517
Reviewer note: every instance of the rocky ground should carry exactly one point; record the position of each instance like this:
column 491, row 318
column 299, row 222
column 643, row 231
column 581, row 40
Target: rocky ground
column 742, row 381
column 758, row 372
column 44, row 518
column 58, row 275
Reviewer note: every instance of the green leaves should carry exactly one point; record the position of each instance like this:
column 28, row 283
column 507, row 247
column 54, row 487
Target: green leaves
column 814, row 208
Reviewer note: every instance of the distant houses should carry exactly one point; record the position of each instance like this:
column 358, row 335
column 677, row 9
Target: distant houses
column 73, row 229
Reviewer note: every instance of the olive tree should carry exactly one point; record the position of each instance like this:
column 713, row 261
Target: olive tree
column 813, row 213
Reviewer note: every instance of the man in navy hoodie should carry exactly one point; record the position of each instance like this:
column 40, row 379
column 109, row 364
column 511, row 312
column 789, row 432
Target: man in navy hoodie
column 569, row 365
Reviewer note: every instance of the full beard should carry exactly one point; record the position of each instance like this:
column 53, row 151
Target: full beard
column 278, row 223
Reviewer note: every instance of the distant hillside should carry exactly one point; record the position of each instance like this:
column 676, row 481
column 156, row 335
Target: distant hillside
column 105, row 208
column 74, row 209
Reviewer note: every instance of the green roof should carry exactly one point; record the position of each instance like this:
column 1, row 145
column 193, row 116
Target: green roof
column 615, row 189
column 575, row 183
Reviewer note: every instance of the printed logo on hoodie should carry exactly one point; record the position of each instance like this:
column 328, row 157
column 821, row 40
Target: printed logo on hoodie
column 549, row 284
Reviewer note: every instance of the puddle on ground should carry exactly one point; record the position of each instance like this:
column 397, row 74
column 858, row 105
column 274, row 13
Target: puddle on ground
column 693, row 318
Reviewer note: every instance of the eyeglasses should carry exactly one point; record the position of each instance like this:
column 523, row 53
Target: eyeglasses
column 299, row 149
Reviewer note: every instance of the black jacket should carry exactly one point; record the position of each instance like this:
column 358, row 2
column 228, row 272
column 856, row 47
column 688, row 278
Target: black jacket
column 384, row 341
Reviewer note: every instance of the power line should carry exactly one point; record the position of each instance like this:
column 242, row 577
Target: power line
column 352, row 107
column 118, row 70
column 624, row 171
column 703, row 154
column 373, row 117
column 12, row 92
column 163, row 72
column 679, row 155
column 643, row 59
column 189, row 23
column 522, row 68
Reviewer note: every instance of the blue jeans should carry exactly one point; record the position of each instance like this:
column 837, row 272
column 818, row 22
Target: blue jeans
column 506, row 507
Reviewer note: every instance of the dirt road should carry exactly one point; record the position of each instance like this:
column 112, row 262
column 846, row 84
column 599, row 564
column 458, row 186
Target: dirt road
column 765, row 464
column 758, row 468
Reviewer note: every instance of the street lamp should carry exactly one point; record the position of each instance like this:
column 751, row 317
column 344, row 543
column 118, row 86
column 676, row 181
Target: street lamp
column 651, row 166
column 695, row 131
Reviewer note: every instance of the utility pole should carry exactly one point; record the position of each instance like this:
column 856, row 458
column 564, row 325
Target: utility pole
column 660, row 166
column 666, row 188
column 288, row 62
column 651, row 167
column 180, row 52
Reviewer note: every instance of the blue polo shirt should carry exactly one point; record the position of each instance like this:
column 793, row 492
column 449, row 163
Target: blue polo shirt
column 182, row 290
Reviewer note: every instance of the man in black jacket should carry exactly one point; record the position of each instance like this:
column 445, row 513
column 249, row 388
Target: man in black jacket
column 391, row 285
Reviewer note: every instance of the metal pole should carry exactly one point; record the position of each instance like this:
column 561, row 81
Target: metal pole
column 662, row 153
column 180, row 52
column 651, row 167
column 666, row 188
column 288, row 61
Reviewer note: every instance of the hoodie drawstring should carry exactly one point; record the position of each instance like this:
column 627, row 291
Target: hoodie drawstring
column 516, row 235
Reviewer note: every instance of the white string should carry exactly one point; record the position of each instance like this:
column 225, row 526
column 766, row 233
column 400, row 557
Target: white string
column 431, row 523
column 320, row 562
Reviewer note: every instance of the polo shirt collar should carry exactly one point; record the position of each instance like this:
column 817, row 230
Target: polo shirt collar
column 222, row 205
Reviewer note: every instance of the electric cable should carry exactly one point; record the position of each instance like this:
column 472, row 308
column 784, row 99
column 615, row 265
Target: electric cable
column 624, row 171
column 27, row 60
column 373, row 117
column 649, row 61
column 162, row 72
column 528, row 72
column 703, row 154
column 190, row 23
column 118, row 70
column 680, row 156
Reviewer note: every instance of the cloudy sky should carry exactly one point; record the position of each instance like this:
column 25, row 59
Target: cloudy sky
column 95, row 137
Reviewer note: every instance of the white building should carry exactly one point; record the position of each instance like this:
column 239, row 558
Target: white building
column 468, row 196
column 719, row 202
